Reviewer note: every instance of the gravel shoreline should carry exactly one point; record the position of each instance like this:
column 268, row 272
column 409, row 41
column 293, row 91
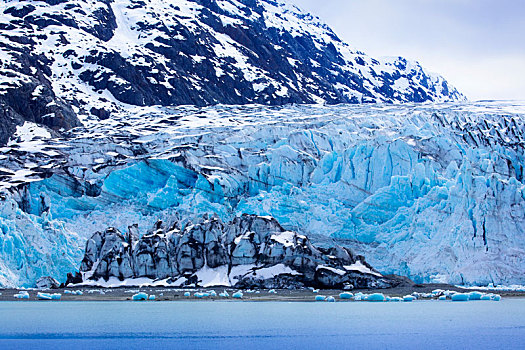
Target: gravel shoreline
column 285, row 295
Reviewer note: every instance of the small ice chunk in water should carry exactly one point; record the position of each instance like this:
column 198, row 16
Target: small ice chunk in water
column 140, row 296
column 187, row 294
column 272, row 291
column 346, row 295
column 396, row 299
column 198, row 295
column 376, row 297
column 460, row 297
column 485, row 297
column 151, row 297
column 443, row 297
column 22, row 295
column 237, row 295
column 475, row 295
column 213, row 293
column 43, row 296
column 320, row 298
column 315, row 290
column 224, row 294
column 47, row 296
column 496, row 297
column 67, row 291
column 409, row 298
column 330, row 299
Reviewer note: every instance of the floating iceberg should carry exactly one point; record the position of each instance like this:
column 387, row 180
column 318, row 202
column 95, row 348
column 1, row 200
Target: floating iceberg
column 237, row 295
column 345, row 295
column 475, row 295
column 320, row 298
column 272, row 291
column 376, row 297
column 330, row 299
column 224, row 294
column 22, row 295
column 140, row 296
column 442, row 297
column 48, row 296
column 409, row 298
column 460, row 297
column 151, row 297
column 187, row 294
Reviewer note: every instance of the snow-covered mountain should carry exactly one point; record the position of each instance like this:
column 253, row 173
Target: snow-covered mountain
column 430, row 191
column 61, row 61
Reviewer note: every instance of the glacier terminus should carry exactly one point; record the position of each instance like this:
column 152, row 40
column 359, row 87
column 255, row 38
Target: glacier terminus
column 434, row 192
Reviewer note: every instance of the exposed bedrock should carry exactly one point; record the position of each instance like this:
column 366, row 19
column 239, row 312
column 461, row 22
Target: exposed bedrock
column 250, row 251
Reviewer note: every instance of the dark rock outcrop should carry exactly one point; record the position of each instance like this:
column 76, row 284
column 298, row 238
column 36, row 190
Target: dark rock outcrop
column 249, row 252
column 47, row 282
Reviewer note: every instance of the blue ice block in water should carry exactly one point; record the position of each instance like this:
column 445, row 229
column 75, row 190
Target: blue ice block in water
column 460, row 297
column 345, row 295
column 139, row 296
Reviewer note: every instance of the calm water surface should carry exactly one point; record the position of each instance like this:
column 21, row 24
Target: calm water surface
column 262, row 325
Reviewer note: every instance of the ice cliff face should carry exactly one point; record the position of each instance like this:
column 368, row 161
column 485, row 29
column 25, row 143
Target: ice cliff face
column 433, row 192
column 248, row 252
column 61, row 61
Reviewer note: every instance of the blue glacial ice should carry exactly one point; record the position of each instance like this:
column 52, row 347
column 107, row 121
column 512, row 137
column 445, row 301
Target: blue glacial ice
column 475, row 295
column 21, row 295
column 460, row 297
column 237, row 295
column 345, row 295
column 48, row 296
column 375, row 297
column 141, row 296
column 432, row 192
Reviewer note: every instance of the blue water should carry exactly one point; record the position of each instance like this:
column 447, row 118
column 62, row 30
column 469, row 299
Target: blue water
column 262, row 325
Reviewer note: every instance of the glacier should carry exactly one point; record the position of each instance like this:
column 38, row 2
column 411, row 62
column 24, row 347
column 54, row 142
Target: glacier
column 430, row 191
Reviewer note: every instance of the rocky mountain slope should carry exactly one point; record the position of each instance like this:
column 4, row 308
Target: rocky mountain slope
column 434, row 192
column 248, row 252
column 61, row 61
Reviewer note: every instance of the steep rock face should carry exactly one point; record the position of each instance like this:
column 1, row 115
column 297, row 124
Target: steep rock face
column 250, row 251
column 91, row 56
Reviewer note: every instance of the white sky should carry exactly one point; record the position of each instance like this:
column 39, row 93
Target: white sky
column 477, row 45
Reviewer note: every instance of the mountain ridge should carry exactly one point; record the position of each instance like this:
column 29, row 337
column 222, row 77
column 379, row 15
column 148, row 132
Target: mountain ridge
column 65, row 61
